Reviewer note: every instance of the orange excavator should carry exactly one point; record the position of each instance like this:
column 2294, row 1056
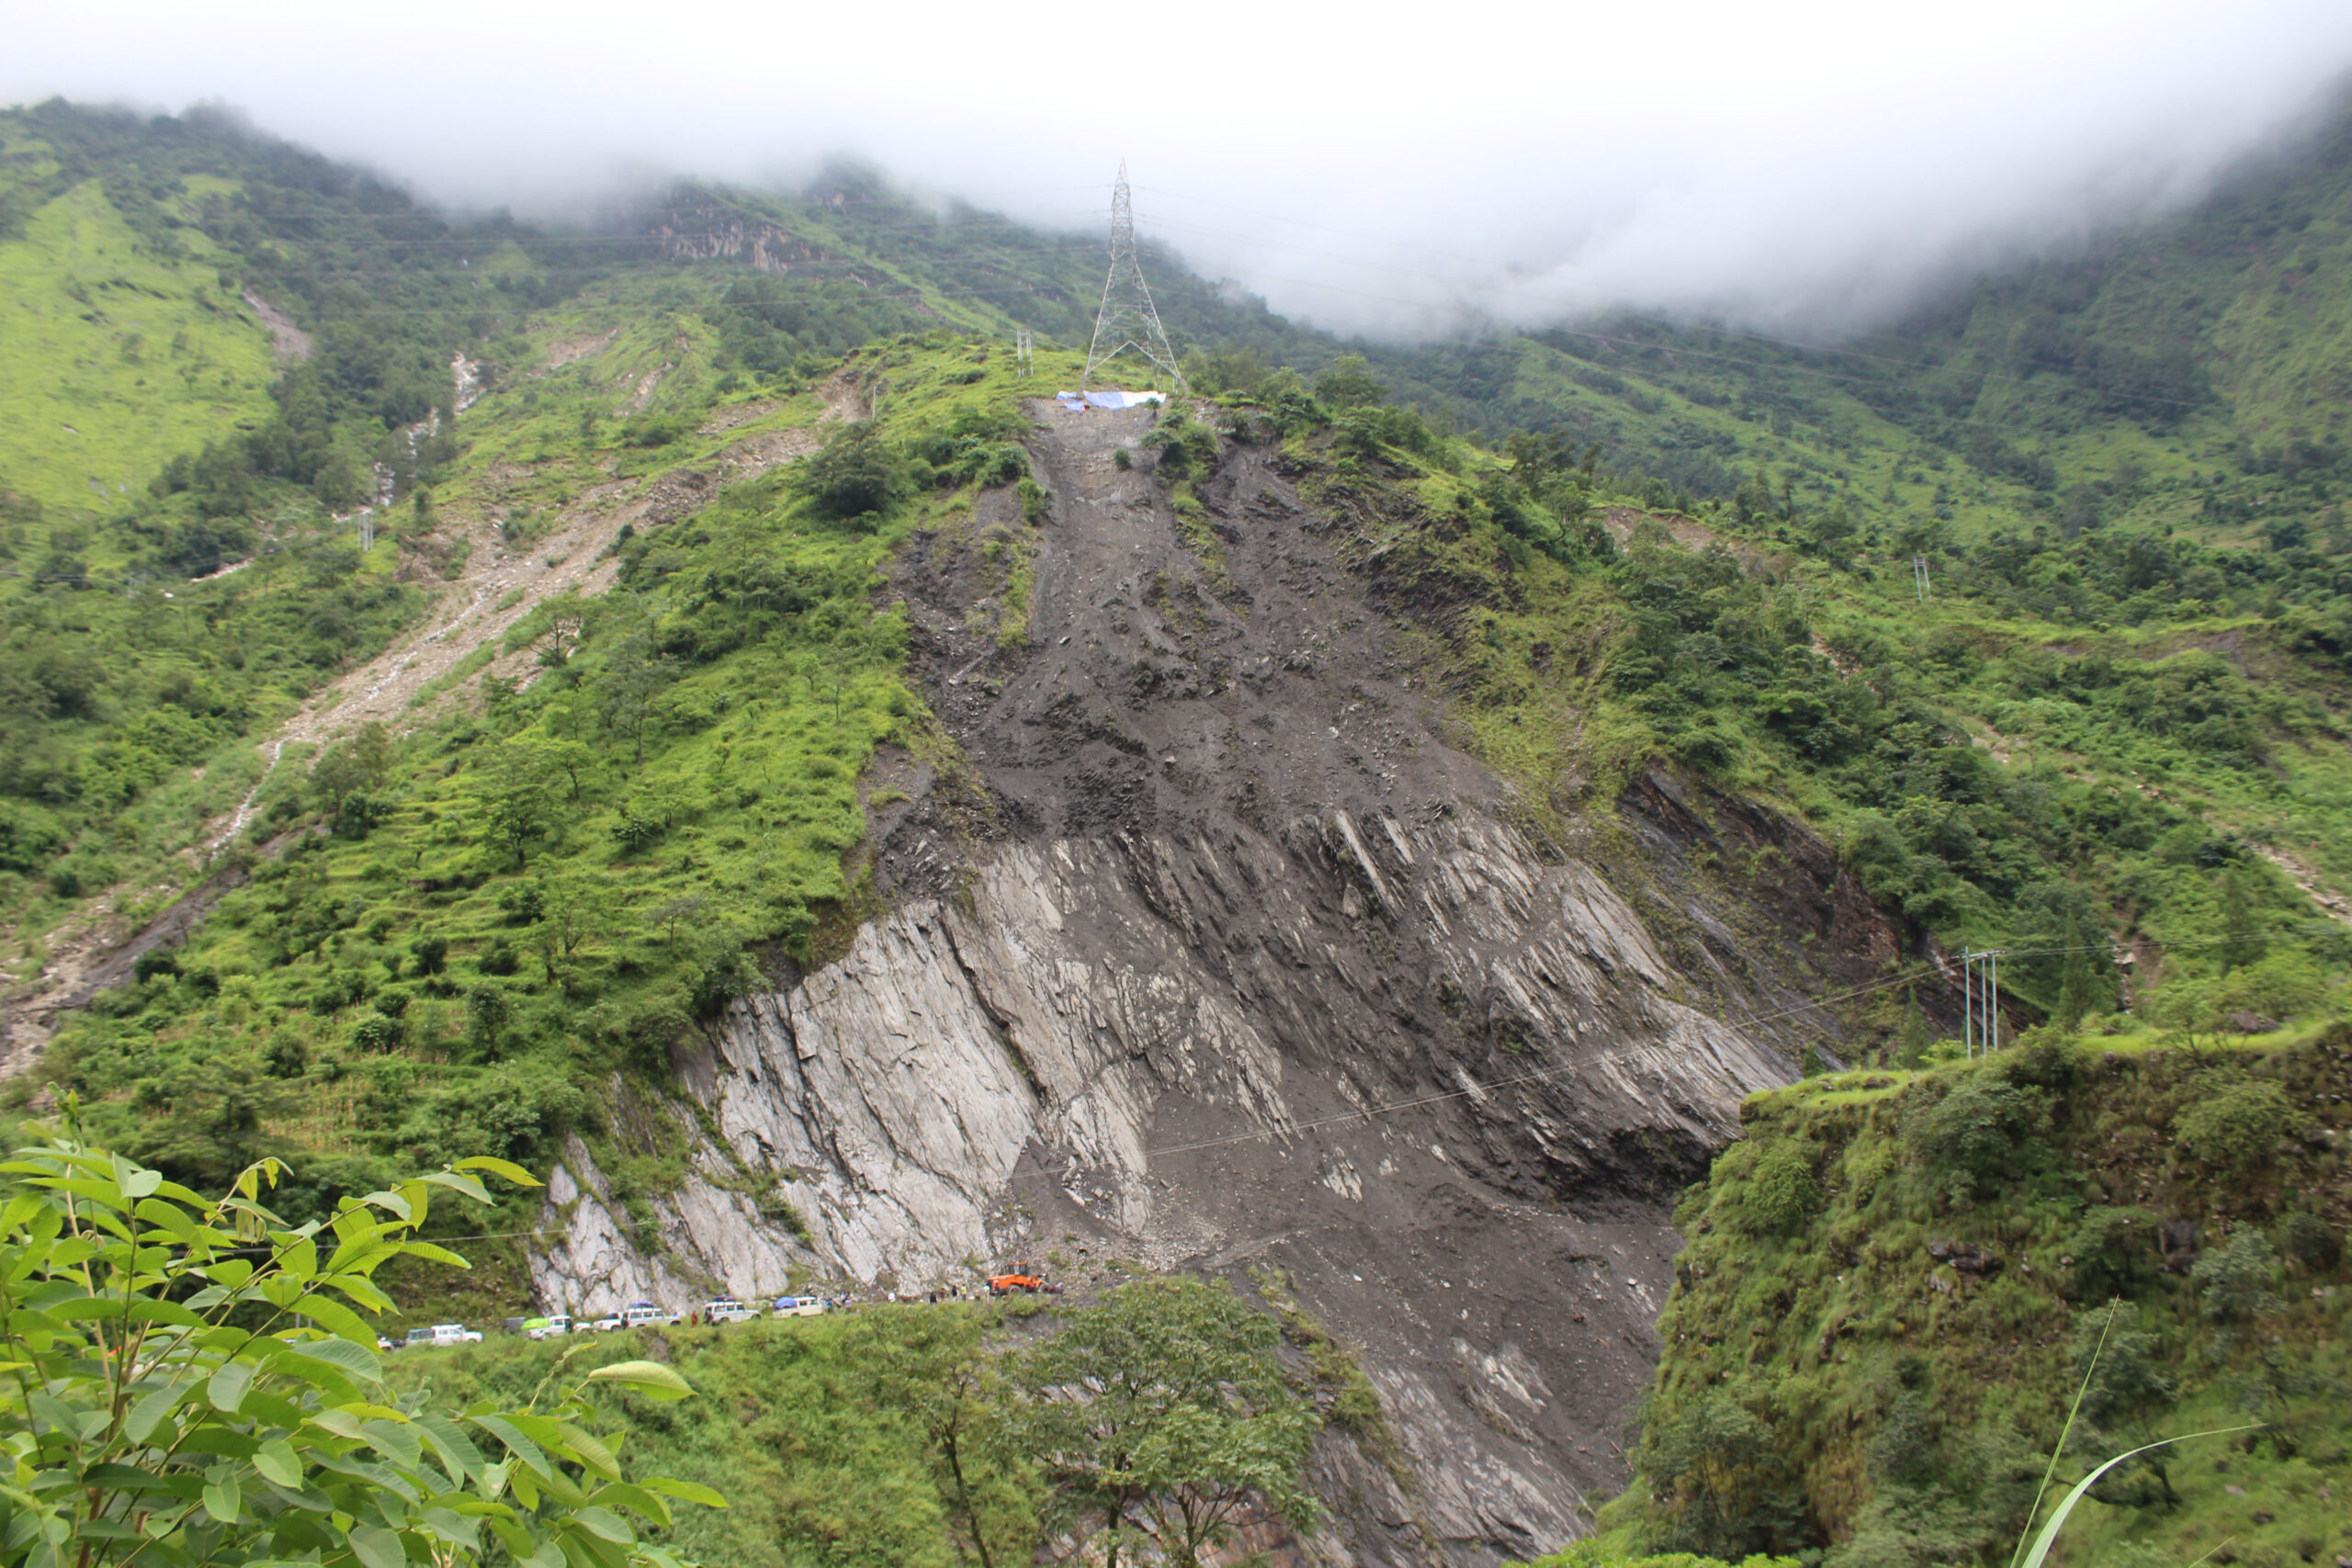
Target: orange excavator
column 1020, row 1277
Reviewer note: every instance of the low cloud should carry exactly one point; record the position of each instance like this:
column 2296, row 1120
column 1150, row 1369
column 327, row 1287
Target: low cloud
column 1808, row 168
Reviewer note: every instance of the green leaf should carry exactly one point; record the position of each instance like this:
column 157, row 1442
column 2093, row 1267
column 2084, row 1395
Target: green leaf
column 151, row 1410
column 650, row 1377
column 605, row 1523
column 620, row 1494
column 432, row 1254
column 517, row 1540
column 584, row 1549
column 505, row 1167
column 136, row 1181
column 353, row 1360
column 686, row 1492
column 222, row 1499
column 520, row 1446
column 377, row 1547
column 591, row 1452
column 338, row 1319
column 457, row 1450
column 2049, row 1536
column 276, row 1462
column 226, row 1388
column 451, row 1528
column 460, row 1183
column 396, row 1440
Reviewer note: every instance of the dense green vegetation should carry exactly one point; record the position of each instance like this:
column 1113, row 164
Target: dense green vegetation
column 1895, row 1288
column 919, row 1437
column 195, row 1382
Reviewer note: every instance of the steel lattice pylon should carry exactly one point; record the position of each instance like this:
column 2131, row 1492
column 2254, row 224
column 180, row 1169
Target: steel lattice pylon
column 1127, row 319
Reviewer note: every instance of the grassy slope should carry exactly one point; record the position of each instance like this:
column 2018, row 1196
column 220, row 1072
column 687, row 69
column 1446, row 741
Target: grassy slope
column 1902, row 1405
column 116, row 360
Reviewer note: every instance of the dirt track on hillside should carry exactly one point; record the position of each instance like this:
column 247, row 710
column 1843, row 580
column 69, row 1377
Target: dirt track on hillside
column 496, row 589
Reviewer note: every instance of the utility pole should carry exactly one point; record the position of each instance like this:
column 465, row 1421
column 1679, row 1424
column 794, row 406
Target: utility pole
column 1981, row 1004
column 1919, row 577
column 1967, row 1003
column 366, row 527
column 1022, row 348
column 1127, row 319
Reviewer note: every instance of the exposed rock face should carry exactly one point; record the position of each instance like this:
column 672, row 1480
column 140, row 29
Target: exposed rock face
column 1256, row 972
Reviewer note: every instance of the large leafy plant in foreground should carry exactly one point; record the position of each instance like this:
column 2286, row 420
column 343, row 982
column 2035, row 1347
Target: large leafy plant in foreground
column 187, row 1380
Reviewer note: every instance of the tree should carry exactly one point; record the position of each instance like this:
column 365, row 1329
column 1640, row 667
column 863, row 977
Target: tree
column 1165, row 1407
column 574, row 909
column 933, row 1367
column 1911, row 1041
column 2122, row 1388
column 514, row 799
column 633, row 676
column 1348, row 382
column 356, row 766
column 2236, row 1279
column 856, row 477
column 2242, row 941
column 2079, row 993
column 193, row 1381
column 1714, row 1465
column 571, row 758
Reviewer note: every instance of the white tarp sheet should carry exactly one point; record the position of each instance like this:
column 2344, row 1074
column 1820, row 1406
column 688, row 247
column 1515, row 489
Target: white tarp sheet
column 1108, row 400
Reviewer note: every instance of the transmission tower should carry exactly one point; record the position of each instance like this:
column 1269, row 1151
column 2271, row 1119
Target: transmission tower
column 1127, row 319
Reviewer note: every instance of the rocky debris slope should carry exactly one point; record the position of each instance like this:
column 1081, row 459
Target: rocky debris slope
column 1251, row 970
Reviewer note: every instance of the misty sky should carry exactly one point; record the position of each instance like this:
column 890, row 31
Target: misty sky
column 1802, row 166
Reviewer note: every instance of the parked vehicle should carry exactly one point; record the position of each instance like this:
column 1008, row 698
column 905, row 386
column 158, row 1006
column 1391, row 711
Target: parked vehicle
column 1022, row 1277
column 727, row 1309
column 607, row 1323
column 443, row 1334
column 798, row 1306
column 547, row 1327
column 637, row 1315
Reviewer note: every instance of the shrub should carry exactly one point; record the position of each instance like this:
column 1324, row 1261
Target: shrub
column 1780, row 1193
column 2112, row 1249
column 1185, row 445
column 856, row 478
column 1976, row 1133
column 1036, row 498
column 376, row 1033
column 2310, row 1240
column 2236, row 1281
column 2237, row 1128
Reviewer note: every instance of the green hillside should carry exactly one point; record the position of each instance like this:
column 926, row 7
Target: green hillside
column 1897, row 1286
